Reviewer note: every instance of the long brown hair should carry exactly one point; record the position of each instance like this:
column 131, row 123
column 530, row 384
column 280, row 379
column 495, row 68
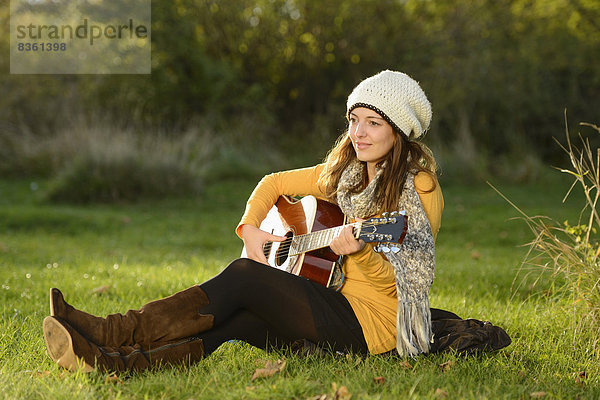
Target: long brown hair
column 406, row 155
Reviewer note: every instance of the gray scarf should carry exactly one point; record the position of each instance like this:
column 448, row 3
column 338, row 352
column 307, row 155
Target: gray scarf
column 414, row 264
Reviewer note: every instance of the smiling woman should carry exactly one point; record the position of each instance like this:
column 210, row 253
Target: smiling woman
column 382, row 304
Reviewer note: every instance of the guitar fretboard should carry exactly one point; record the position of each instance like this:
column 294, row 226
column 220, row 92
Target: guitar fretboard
column 316, row 240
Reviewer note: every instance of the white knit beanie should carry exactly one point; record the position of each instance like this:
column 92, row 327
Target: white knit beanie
column 397, row 98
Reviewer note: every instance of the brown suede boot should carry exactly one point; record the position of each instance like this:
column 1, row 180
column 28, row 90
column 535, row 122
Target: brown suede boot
column 72, row 351
column 164, row 320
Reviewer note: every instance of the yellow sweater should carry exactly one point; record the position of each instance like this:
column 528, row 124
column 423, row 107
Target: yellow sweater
column 370, row 285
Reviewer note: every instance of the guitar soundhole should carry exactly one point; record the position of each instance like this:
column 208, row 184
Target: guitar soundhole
column 284, row 250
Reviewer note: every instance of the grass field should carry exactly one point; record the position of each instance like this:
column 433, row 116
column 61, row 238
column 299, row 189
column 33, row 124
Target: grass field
column 111, row 258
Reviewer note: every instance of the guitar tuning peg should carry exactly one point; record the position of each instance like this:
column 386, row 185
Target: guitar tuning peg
column 395, row 249
column 394, row 214
column 385, row 215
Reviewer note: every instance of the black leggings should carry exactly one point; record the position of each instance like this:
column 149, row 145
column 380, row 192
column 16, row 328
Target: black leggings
column 270, row 308
column 266, row 307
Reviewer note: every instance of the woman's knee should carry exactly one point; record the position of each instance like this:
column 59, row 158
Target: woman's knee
column 242, row 267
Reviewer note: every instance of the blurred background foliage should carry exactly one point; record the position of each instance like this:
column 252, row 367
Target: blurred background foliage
column 263, row 83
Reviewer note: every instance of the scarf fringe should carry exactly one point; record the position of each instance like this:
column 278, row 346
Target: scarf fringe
column 414, row 328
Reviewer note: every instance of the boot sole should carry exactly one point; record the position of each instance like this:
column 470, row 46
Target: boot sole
column 60, row 346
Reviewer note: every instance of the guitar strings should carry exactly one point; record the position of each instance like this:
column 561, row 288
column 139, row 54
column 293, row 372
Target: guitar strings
column 286, row 244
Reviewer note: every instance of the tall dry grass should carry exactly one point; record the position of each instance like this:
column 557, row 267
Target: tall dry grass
column 567, row 254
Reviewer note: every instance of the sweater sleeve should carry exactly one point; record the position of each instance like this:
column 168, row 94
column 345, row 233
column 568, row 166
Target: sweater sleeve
column 430, row 194
column 298, row 182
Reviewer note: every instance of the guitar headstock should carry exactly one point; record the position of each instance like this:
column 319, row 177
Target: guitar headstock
column 389, row 230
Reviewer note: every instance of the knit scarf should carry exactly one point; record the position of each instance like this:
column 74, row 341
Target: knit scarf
column 413, row 265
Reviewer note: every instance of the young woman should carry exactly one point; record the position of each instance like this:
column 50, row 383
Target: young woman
column 378, row 165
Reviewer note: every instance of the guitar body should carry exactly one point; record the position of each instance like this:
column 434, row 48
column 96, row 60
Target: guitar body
column 290, row 218
column 318, row 265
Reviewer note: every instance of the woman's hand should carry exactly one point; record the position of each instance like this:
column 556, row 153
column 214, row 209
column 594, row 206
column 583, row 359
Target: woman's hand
column 254, row 241
column 346, row 243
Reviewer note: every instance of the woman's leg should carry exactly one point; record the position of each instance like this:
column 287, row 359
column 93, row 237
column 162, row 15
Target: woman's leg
column 247, row 327
column 281, row 305
column 168, row 319
column 69, row 349
column 274, row 296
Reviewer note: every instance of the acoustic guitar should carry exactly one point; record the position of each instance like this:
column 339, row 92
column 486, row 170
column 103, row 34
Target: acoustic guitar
column 310, row 225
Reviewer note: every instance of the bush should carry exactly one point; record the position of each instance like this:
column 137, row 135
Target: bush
column 121, row 177
column 103, row 163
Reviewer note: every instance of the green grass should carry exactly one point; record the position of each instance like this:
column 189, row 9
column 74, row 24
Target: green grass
column 152, row 249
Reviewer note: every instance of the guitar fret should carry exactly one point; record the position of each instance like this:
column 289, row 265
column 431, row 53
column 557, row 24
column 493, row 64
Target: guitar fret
column 336, row 232
column 319, row 239
column 305, row 244
column 330, row 235
column 298, row 245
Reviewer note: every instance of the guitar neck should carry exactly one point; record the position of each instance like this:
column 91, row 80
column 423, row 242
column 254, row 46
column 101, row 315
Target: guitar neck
column 316, row 240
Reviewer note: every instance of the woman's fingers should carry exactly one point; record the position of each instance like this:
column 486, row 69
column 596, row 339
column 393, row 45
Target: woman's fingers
column 274, row 238
column 346, row 243
column 255, row 240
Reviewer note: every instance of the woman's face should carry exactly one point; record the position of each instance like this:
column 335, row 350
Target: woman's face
column 371, row 135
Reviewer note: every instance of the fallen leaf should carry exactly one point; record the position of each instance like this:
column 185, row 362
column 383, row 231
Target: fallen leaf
column 114, row 379
column 405, row 365
column 440, row 393
column 580, row 377
column 101, row 289
column 379, row 379
column 537, row 395
column 475, row 255
column 445, row 367
column 342, row 394
column 44, row 374
column 270, row 369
